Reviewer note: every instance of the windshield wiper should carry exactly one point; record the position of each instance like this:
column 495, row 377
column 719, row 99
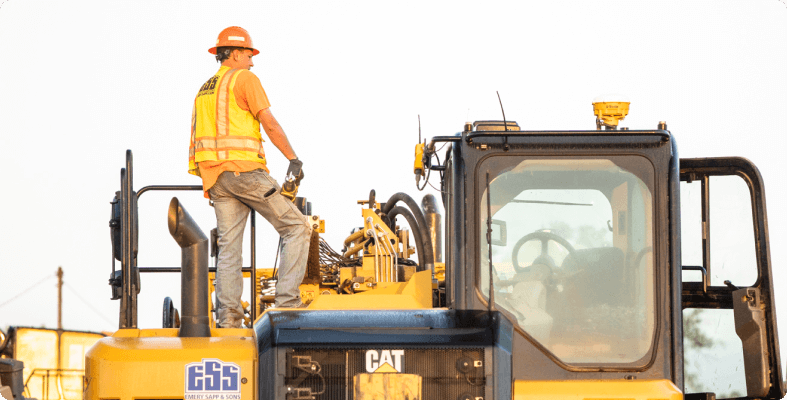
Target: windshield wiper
column 559, row 203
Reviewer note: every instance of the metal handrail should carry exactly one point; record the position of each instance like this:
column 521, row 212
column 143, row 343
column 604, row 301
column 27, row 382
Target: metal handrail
column 46, row 374
column 178, row 269
column 128, row 312
column 167, row 187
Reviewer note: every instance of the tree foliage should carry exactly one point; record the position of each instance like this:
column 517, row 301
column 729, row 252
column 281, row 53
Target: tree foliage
column 694, row 341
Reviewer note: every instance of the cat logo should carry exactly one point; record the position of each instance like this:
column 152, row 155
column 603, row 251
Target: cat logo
column 384, row 361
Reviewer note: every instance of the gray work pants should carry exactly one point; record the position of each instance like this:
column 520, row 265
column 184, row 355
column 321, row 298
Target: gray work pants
column 233, row 196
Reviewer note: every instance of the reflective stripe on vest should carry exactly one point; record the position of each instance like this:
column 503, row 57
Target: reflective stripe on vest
column 220, row 129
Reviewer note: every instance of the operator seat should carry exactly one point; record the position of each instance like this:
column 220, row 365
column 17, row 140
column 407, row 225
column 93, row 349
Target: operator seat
column 599, row 275
column 589, row 283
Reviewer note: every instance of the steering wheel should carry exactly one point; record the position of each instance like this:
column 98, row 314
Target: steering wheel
column 640, row 255
column 544, row 257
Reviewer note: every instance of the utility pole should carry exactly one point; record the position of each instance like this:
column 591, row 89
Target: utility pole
column 59, row 298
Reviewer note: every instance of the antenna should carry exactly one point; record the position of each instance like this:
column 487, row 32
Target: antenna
column 489, row 241
column 419, row 128
column 505, row 124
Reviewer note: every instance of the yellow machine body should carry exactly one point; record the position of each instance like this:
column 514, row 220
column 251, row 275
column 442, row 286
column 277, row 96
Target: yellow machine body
column 388, row 386
column 413, row 294
column 151, row 363
column 381, row 284
column 337, row 345
column 596, row 390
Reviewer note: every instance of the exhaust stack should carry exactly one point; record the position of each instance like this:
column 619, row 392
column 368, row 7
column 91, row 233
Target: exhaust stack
column 433, row 225
column 193, row 243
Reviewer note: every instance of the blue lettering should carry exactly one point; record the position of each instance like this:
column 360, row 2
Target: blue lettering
column 194, row 376
column 213, row 372
column 230, row 380
column 212, row 379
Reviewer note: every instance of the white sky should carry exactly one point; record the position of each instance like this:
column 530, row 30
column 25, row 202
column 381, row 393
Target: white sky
column 82, row 81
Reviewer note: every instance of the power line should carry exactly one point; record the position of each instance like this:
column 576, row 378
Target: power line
column 22, row 293
column 95, row 310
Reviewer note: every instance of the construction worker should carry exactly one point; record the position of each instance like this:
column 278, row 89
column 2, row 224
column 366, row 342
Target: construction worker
column 226, row 151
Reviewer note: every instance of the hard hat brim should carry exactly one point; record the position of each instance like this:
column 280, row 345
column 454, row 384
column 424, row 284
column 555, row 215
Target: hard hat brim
column 254, row 51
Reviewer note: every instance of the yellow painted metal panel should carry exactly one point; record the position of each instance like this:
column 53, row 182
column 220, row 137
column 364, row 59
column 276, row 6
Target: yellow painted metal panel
column 414, row 294
column 37, row 348
column 597, row 390
column 173, row 332
column 385, row 288
column 420, row 288
column 385, row 386
column 151, row 363
column 54, row 361
column 73, row 346
column 375, row 302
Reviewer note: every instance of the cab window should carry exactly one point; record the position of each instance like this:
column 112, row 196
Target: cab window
column 575, row 267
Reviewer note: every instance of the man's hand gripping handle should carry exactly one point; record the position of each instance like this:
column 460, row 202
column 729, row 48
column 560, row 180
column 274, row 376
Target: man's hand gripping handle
column 293, row 179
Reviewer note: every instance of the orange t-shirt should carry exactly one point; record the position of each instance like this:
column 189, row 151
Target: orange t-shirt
column 249, row 96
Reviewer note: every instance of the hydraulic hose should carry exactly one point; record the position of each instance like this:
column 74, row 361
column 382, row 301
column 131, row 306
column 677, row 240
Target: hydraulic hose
column 419, row 239
column 353, row 237
column 420, row 226
column 352, row 250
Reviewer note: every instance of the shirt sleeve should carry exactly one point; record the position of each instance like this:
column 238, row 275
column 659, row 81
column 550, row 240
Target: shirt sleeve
column 249, row 94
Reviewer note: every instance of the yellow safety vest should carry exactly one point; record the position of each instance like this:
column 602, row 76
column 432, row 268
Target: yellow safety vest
column 220, row 130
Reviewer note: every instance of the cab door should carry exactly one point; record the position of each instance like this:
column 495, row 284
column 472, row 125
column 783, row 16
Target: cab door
column 730, row 339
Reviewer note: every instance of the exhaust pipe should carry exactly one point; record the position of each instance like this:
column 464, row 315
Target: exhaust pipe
column 433, row 225
column 193, row 244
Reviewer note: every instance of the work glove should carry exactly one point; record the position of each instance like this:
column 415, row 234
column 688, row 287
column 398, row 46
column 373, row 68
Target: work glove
column 295, row 171
column 289, row 187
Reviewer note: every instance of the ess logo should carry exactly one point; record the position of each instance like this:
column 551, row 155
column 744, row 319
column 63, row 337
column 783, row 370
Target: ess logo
column 384, row 361
column 212, row 379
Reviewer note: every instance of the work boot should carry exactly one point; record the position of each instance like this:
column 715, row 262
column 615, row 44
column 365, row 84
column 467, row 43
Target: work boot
column 299, row 305
column 230, row 321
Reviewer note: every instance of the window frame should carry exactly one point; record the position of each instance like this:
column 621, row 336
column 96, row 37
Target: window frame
column 655, row 187
column 701, row 295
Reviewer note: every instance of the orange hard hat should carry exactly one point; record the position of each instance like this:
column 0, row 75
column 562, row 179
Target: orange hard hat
column 234, row 36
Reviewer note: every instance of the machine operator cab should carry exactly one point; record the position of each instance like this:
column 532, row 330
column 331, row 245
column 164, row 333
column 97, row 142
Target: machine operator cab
column 584, row 252
column 577, row 272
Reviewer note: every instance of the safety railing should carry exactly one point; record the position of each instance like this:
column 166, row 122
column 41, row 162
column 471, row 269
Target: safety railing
column 67, row 384
column 128, row 200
